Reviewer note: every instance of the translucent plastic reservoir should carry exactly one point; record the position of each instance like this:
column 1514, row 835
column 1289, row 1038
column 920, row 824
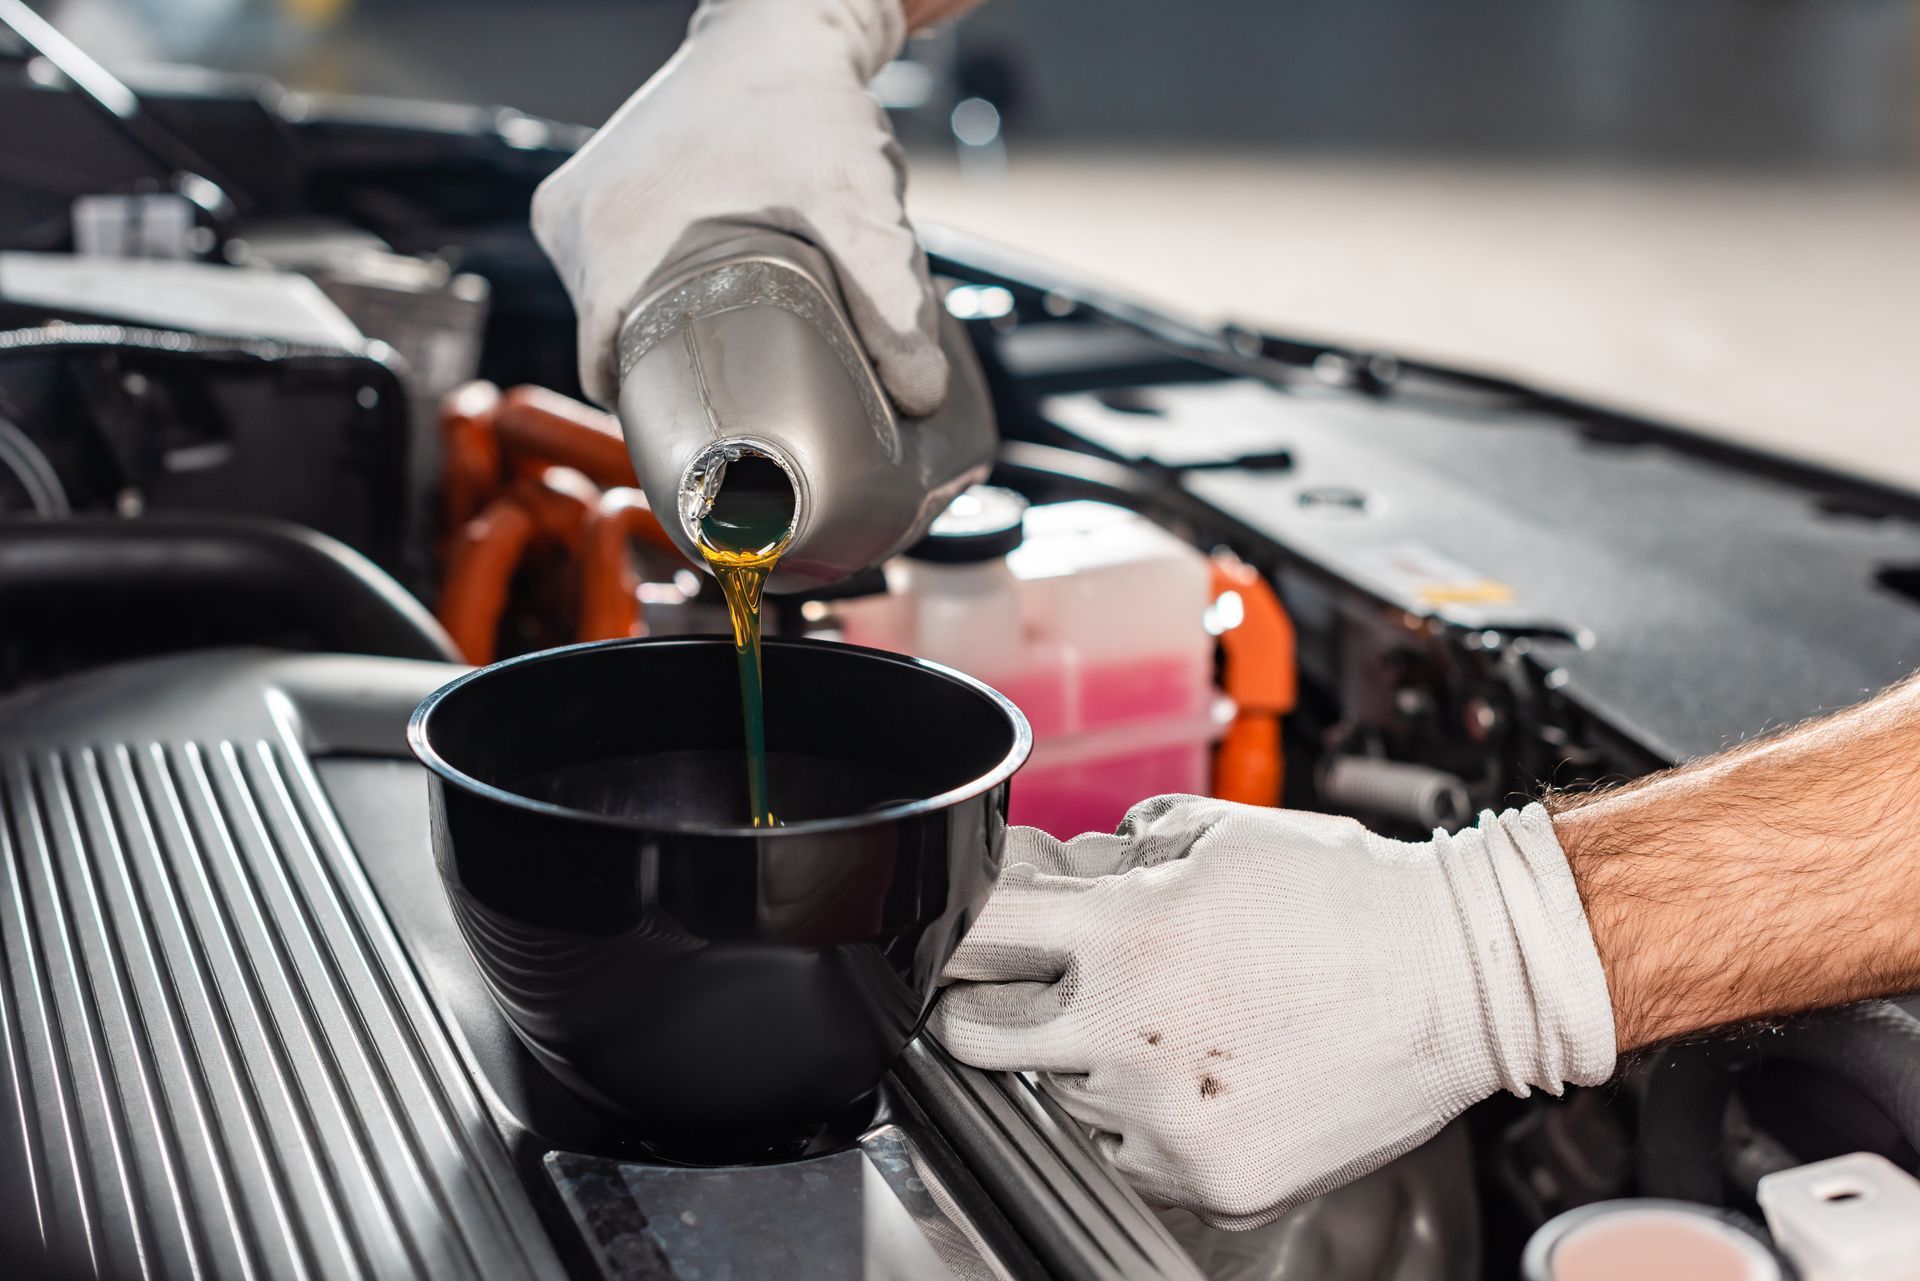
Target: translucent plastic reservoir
column 1093, row 625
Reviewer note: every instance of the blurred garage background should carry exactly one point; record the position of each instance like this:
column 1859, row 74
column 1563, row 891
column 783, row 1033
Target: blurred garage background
column 1707, row 210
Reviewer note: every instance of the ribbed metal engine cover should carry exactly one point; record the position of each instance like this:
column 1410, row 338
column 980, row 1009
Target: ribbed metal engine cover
column 218, row 1060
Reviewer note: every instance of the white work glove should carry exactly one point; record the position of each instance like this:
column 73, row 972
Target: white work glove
column 1251, row 1007
column 761, row 122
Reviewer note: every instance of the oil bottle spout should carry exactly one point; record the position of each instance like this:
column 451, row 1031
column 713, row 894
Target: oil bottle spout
column 744, row 391
column 738, row 499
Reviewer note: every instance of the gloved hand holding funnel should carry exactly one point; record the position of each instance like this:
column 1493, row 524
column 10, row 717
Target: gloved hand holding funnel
column 1251, row 1006
column 748, row 287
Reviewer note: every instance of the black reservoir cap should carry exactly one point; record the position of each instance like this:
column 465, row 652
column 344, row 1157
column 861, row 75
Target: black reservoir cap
column 984, row 523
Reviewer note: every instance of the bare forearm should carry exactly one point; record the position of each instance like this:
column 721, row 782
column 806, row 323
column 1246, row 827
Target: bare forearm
column 922, row 14
column 1779, row 877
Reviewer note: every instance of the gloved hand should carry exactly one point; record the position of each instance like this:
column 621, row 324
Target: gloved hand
column 1251, row 1007
column 761, row 121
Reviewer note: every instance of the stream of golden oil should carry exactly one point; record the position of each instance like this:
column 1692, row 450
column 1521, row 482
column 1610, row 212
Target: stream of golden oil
column 742, row 551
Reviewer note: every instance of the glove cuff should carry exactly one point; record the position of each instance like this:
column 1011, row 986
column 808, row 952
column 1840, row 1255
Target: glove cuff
column 1527, row 966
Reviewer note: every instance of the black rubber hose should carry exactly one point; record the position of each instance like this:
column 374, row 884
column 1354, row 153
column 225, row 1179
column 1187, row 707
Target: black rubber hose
column 221, row 572
column 1873, row 1046
column 1683, row 1116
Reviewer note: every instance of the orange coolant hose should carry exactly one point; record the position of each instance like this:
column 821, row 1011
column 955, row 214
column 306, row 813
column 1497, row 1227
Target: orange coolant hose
column 609, row 587
column 529, row 466
column 1260, row 675
column 536, row 424
column 481, row 558
column 470, row 453
column 484, row 553
column 560, row 500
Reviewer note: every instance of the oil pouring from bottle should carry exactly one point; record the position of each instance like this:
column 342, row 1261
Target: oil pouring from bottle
column 743, row 365
column 740, row 505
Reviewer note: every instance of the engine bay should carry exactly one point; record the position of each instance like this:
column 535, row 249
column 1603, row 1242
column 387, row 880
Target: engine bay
column 267, row 481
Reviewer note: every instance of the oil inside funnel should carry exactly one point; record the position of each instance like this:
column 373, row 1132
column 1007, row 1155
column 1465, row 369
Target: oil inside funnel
column 706, row 788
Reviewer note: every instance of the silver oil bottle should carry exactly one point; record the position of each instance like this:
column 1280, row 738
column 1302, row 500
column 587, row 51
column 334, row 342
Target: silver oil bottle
column 748, row 352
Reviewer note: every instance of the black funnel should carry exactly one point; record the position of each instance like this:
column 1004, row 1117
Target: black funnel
column 712, row 982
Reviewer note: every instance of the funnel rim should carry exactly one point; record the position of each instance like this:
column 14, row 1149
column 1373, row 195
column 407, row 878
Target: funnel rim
column 428, row 755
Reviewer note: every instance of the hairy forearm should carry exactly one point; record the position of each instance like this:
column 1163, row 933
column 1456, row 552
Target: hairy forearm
column 1778, row 877
column 922, row 14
